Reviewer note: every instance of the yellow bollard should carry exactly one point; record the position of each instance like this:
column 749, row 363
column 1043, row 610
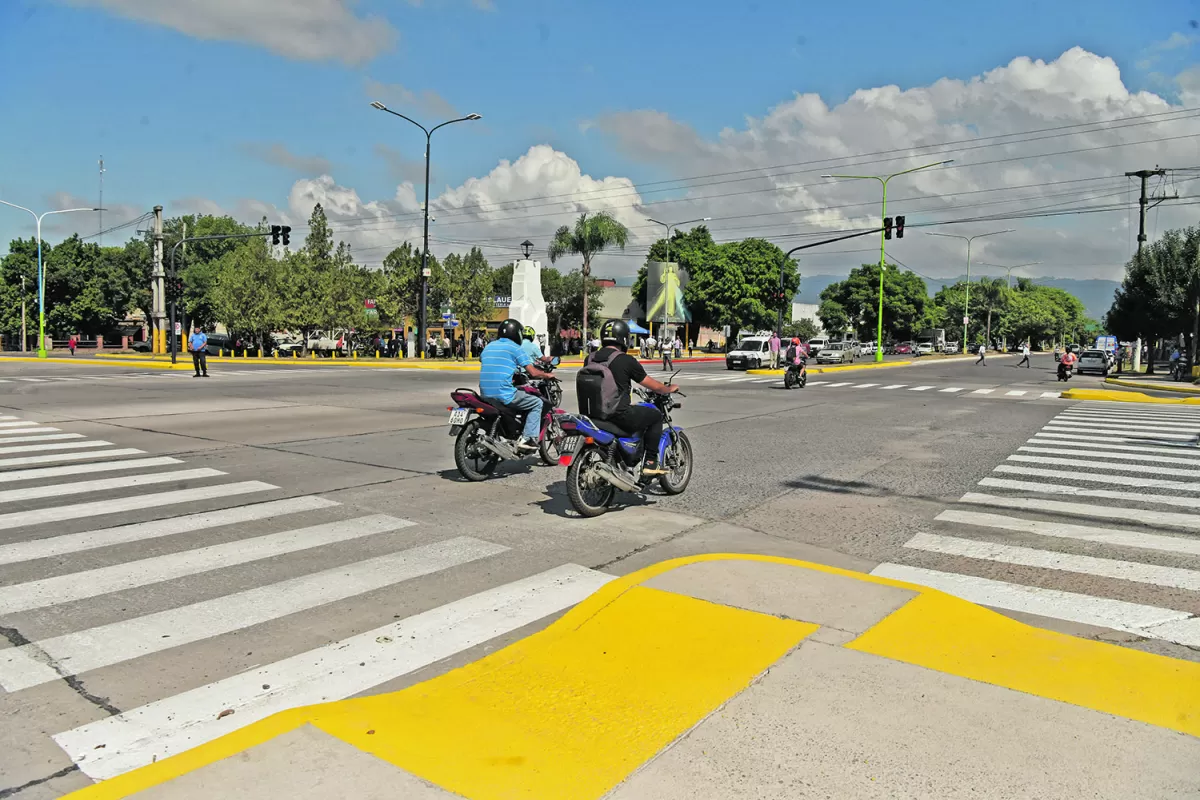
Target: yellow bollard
column 260, row 352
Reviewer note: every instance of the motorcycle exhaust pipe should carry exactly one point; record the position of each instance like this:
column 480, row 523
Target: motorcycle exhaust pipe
column 616, row 477
column 500, row 448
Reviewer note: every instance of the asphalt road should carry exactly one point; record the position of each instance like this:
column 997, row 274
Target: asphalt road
column 135, row 614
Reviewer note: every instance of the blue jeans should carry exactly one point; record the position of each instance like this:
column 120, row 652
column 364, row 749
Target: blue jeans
column 532, row 405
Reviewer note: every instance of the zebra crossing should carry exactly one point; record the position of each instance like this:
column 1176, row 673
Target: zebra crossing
column 252, row 373
column 884, row 387
column 1098, row 500
column 67, row 554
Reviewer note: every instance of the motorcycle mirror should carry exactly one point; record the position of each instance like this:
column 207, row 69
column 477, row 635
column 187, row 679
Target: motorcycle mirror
column 554, row 362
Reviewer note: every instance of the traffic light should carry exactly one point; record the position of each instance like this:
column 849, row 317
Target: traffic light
column 887, row 227
column 174, row 286
column 287, row 234
column 275, row 234
column 900, row 227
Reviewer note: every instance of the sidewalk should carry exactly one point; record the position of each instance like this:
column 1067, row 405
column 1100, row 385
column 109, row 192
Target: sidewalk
column 722, row 676
column 1159, row 382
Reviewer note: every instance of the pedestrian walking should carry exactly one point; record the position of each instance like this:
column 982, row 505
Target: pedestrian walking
column 773, row 345
column 72, row 343
column 198, row 345
column 666, row 355
column 982, row 352
column 1024, row 355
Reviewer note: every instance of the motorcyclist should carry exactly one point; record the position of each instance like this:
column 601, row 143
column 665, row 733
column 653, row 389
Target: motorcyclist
column 500, row 361
column 796, row 353
column 626, row 370
column 1067, row 363
column 529, row 345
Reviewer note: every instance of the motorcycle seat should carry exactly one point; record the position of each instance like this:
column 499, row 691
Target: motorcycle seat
column 611, row 427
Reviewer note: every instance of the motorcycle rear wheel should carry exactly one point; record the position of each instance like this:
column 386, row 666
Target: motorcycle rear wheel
column 590, row 495
column 474, row 461
column 789, row 379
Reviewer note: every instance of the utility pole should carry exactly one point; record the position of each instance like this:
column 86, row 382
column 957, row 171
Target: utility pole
column 23, row 340
column 158, row 305
column 100, row 228
column 1143, row 206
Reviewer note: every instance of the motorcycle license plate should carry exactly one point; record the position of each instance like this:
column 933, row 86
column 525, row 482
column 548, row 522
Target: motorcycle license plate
column 459, row 416
column 568, row 450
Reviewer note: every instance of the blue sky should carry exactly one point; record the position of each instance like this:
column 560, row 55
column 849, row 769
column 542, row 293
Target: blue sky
column 176, row 116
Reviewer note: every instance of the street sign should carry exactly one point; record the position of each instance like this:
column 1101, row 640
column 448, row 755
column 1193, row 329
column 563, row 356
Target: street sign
column 966, row 320
column 368, row 303
column 178, row 328
column 426, row 272
column 447, row 315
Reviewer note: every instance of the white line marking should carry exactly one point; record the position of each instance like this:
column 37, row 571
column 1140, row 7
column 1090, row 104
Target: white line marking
column 951, row 389
column 837, row 385
column 33, row 380
column 1139, row 425
column 50, row 459
column 1133, row 571
column 1082, row 533
column 1171, row 518
column 103, row 646
column 1151, row 469
column 132, row 574
column 1079, row 450
column 1051, row 396
column 34, row 448
column 104, row 484
column 333, row 672
column 17, row 519
column 1132, row 411
column 7, row 416
column 1016, row 393
column 1120, row 433
column 139, row 531
column 1050, row 488
column 747, row 380
column 1112, row 441
column 80, row 469
column 1114, row 480
column 1148, row 621
column 865, row 385
column 920, row 388
column 983, row 391
column 19, row 424
column 896, row 386
column 29, row 427
column 47, row 438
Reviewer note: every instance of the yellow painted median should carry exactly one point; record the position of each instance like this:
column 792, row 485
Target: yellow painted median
column 1157, row 386
column 1117, row 396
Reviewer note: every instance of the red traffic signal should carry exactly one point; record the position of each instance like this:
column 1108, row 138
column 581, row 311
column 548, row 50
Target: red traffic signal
column 887, row 227
column 900, row 227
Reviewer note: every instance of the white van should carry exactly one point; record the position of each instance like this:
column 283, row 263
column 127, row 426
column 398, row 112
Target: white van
column 750, row 353
column 817, row 344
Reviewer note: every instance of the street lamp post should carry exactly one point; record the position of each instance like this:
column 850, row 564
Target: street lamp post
column 41, row 351
column 421, row 303
column 883, row 180
column 967, row 299
column 1009, row 270
column 669, row 226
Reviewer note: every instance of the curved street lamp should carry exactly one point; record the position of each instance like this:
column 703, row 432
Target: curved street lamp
column 425, row 248
column 883, row 180
column 967, row 300
column 41, row 350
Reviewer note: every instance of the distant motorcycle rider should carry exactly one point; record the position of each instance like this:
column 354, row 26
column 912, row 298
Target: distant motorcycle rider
column 529, row 345
column 603, row 386
column 502, row 359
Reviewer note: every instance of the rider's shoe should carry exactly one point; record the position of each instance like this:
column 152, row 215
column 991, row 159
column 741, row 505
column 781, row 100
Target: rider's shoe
column 651, row 467
column 527, row 444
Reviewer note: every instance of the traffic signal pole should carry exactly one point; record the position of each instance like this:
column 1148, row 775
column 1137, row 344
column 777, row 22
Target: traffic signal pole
column 176, row 288
column 788, row 255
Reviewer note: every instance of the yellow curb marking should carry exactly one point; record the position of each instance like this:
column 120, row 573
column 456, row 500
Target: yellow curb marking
column 665, row 661
column 1160, row 387
column 944, row 633
column 98, row 361
column 1127, row 397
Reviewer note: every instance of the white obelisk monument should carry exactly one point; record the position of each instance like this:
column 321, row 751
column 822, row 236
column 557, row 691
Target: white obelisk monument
column 528, row 306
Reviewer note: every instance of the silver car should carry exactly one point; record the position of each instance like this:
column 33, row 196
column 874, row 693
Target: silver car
column 836, row 353
column 1092, row 361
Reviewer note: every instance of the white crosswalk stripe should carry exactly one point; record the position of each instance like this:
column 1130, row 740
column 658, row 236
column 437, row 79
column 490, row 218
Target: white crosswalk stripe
column 997, row 547
column 256, row 566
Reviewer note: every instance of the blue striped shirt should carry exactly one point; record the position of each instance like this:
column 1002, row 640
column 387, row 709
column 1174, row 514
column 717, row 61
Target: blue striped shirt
column 499, row 362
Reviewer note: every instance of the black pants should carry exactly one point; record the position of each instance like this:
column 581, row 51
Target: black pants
column 1024, row 360
column 640, row 419
column 200, row 361
column 666, row 358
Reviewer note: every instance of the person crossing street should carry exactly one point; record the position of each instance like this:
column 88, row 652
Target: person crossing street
column 1024, row 355
column 198, row 346
column 982, row 352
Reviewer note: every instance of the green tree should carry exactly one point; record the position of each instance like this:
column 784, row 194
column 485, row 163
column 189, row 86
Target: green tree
column 834, row 318
column 196, row 261
column 591, row 235
column 734, row 284
column 688, row 249
column 990, row 294
column 855, row 301
column 469, row 289
column 502, row 278
column 804, row 329
column 564, row 299
column 246, row 294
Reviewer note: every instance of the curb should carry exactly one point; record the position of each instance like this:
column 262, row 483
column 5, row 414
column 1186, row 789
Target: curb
column 1126, row 397
column 94, row 361
column 551, row 698
column 1157, row 387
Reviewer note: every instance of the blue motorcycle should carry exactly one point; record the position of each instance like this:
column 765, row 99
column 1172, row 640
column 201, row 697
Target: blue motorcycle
column 602, row 458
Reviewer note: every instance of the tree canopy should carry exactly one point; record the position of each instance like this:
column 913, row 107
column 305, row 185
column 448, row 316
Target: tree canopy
column 590, row 235
column 854, row 303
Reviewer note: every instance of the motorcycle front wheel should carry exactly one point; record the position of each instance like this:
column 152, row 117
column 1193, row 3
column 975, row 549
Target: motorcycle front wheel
column 548, row 444
column 590, row 494
column 677, row 459
column 474, row 461
column 789, row 379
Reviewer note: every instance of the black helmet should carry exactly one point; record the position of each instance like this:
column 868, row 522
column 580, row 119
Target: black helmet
column 510, row 329
column 615, row 332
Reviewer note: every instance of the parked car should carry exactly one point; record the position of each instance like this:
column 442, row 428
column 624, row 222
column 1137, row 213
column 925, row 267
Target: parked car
column 951, row 347
column 1092, row 361
column 867, row 349
column 836, row 353
column 926, row 349
column 904, row 349
column 817, row 344
column 749, row 353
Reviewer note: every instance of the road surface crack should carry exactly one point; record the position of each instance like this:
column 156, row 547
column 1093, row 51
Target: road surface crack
column 12, row 790
column 18, row 639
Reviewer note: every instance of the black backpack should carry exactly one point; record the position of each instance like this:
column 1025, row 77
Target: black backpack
column 596, row 386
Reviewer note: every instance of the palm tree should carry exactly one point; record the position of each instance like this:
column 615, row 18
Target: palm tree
column 994, row 293
column 591, row 235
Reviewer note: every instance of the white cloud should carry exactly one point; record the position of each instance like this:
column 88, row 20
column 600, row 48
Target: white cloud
column 277, row 153
column 400, row 168
column 308, row 30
